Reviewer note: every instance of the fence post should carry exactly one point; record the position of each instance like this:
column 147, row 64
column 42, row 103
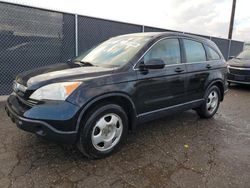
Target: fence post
column 76, row 34
column 229, row 49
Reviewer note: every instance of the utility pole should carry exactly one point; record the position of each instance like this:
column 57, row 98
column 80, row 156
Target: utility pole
column 232, row 20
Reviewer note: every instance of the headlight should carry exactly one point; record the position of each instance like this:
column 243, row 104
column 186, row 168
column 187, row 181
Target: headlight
column 56, row 91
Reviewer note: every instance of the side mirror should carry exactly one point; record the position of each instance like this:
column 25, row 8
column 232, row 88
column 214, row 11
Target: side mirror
column 231, row 57
column 152, row 64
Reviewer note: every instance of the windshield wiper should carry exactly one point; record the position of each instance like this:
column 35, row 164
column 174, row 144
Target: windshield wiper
column 84, row 63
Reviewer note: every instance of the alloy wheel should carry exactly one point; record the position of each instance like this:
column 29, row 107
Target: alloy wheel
column 212, row 101
column 107, row 132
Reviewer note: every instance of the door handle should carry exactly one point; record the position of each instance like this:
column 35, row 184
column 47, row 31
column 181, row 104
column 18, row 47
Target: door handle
column 209, row 66
column 179, row 70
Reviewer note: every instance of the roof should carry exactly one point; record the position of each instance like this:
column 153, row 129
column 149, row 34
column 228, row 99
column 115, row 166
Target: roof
column 165, row 34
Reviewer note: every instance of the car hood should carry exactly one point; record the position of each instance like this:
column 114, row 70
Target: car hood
column 239, row 63
column 58, row 73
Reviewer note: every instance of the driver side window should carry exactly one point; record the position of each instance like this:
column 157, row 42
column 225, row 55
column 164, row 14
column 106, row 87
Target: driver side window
column 167, row 50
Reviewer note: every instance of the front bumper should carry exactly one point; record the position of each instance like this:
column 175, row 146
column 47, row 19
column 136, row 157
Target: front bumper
column 239, row 79
column 239, row 82
column 41, row 127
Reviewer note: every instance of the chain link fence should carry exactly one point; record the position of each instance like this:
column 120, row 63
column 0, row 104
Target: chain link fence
column 32, row 37
column 92, row 31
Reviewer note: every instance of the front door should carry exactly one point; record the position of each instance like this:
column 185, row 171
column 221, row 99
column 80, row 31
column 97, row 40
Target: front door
column 161, row 88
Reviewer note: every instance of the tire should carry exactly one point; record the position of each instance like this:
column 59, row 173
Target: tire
column 103, row 131
column 211, row 103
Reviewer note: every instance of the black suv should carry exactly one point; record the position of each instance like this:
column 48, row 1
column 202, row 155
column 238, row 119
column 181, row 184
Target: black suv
column 95, row 99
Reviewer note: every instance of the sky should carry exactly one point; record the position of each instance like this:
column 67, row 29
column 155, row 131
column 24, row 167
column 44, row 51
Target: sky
column 205, row 17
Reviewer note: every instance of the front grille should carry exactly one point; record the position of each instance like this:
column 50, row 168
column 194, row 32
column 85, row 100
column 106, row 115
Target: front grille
column 239, row 71
column 22, row 95
column 19, row 89
column 27, row 103
column 241, row 78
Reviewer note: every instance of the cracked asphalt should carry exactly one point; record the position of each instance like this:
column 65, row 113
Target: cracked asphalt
column 181, row 150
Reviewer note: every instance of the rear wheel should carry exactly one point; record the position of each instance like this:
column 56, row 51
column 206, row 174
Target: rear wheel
column 211, row 103
column 103, row 131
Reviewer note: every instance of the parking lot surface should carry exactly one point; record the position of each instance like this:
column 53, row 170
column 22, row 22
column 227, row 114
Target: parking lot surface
column 181, row 150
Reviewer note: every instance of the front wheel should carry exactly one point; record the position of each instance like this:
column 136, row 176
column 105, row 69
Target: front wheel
column 211, row 103
column 103, row 132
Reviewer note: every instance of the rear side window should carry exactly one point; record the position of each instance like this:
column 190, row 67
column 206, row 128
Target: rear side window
column 212, row 54
column 195, row 51
column 167, row 50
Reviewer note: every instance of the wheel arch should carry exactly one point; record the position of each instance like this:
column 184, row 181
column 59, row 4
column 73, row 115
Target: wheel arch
column 220, row 85
column 121, row 99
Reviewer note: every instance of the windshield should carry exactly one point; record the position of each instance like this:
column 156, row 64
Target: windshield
column 114, row 52
column 244, row 55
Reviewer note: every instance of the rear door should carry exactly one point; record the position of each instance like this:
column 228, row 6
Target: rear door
column 160, row 88
column 213, row 58
column 198, row 68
